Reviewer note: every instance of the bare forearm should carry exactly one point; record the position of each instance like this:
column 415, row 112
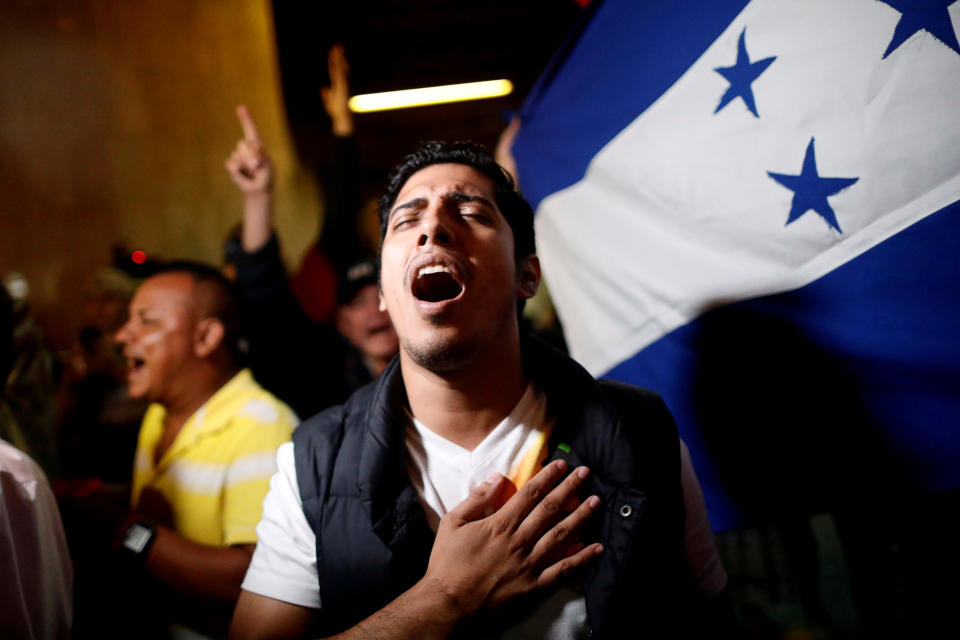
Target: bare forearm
column 196, row 570
column 420, row 612
column 257, row 220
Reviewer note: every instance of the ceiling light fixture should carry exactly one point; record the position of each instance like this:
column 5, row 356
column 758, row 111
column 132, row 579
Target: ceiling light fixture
column 429, row 95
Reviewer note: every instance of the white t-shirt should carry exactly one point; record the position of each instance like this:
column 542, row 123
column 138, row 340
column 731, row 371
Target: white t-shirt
column 445, row 473
column 284, row 565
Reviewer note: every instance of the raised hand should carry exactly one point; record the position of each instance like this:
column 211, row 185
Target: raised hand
column 336, row 95
column 484, row 556
column 248, row 165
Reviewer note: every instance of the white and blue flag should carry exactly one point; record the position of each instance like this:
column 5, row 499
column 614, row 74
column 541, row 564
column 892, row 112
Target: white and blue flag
column 753, row 208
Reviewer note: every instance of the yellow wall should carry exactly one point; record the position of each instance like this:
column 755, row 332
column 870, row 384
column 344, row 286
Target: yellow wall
column 115, row 119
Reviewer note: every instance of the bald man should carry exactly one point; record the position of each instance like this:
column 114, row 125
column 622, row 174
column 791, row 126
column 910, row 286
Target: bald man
column 206, row 448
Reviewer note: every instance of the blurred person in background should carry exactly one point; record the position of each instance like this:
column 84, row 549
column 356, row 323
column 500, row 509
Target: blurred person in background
column 98, row 418
column 205, row 454
column 28, row 387
column 37, row 578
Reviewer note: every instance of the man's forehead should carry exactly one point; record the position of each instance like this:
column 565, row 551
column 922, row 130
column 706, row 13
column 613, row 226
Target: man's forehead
column 165, row 290
column 447, row 177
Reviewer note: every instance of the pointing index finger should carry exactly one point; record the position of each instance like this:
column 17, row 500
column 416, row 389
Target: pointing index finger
column 250, row 133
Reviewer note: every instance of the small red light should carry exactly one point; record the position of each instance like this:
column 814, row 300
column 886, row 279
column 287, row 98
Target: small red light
column 139, row 257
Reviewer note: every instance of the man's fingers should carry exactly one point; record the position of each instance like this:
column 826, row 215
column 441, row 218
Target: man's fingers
column 480, row 503
column 232, row 165
column 573, row 549
column 570, row 504
column 250, row 133
column 531, row 493
column 569, row 564
column 556, row 540
column 550, row 508
column 236, row 169
column 249, row 155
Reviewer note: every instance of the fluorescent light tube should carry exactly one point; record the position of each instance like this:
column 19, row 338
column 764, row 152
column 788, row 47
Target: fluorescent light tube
column 429, row 95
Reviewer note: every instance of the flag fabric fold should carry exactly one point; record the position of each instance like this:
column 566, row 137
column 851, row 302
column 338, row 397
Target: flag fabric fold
column 752, row 208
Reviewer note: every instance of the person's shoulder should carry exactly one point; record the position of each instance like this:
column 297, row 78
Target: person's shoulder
column 634, row 398
column 623, row 432
column 319, row 423
column 567, row 383
column 153, row 415
column 257, row 404
column 19, row 465
column 259, row 421
column 334, row 419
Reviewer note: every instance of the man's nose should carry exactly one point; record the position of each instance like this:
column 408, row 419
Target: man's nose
column 120, row 336
column 436, row 229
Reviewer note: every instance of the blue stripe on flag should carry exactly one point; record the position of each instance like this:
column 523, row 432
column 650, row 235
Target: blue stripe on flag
column 794, row 401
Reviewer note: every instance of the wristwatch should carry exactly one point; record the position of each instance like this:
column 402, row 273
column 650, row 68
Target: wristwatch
column 138, row 538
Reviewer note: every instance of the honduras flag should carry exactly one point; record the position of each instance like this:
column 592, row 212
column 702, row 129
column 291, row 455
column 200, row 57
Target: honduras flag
column 753, row 208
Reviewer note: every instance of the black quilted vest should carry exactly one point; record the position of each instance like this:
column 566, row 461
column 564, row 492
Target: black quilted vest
column 373, row 541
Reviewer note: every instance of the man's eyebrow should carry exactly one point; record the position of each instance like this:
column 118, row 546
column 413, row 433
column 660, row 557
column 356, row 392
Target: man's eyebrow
column 416, row 203
column 459, row 196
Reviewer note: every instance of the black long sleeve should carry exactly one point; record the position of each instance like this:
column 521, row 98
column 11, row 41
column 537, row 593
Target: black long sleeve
column 300, row 361
column 338, row 238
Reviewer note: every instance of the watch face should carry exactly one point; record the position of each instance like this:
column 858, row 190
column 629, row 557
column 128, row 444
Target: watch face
column 137, row 537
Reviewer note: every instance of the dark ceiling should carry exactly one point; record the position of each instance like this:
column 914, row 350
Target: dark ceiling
column 407, row 44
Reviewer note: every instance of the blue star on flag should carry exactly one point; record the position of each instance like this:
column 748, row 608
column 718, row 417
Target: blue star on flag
column 741, row 75
column 810, row 191
column 927, row 15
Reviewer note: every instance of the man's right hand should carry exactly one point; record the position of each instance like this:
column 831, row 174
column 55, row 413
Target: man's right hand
column 336, row 96
column 248, row 165
column 250, row 169
column 484, row 556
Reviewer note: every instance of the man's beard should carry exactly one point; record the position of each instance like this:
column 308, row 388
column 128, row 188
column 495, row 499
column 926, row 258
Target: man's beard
column 441, row 356
column 446, row 354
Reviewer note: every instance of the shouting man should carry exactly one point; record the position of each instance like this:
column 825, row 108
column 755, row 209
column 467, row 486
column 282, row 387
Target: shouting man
column 206, row 452
column 484, row 476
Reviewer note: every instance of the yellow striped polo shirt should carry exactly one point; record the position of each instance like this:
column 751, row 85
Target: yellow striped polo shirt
column 217, row 471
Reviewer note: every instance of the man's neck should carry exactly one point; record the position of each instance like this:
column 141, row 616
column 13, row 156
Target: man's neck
column 191, row 397
column 465, row 405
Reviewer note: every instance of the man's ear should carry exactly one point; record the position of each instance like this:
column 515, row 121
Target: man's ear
column 208, row 336
column 528, row 276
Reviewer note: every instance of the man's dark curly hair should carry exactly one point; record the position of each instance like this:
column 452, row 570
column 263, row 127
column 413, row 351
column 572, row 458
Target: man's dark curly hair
column 514, row 208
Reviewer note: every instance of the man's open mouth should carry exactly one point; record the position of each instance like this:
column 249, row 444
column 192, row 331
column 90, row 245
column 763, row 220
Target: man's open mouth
column 436, row 283
column 134, row 364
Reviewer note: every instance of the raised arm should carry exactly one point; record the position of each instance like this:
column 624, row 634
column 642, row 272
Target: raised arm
column 482, row 558
column 338, row 238
column 250, row 169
